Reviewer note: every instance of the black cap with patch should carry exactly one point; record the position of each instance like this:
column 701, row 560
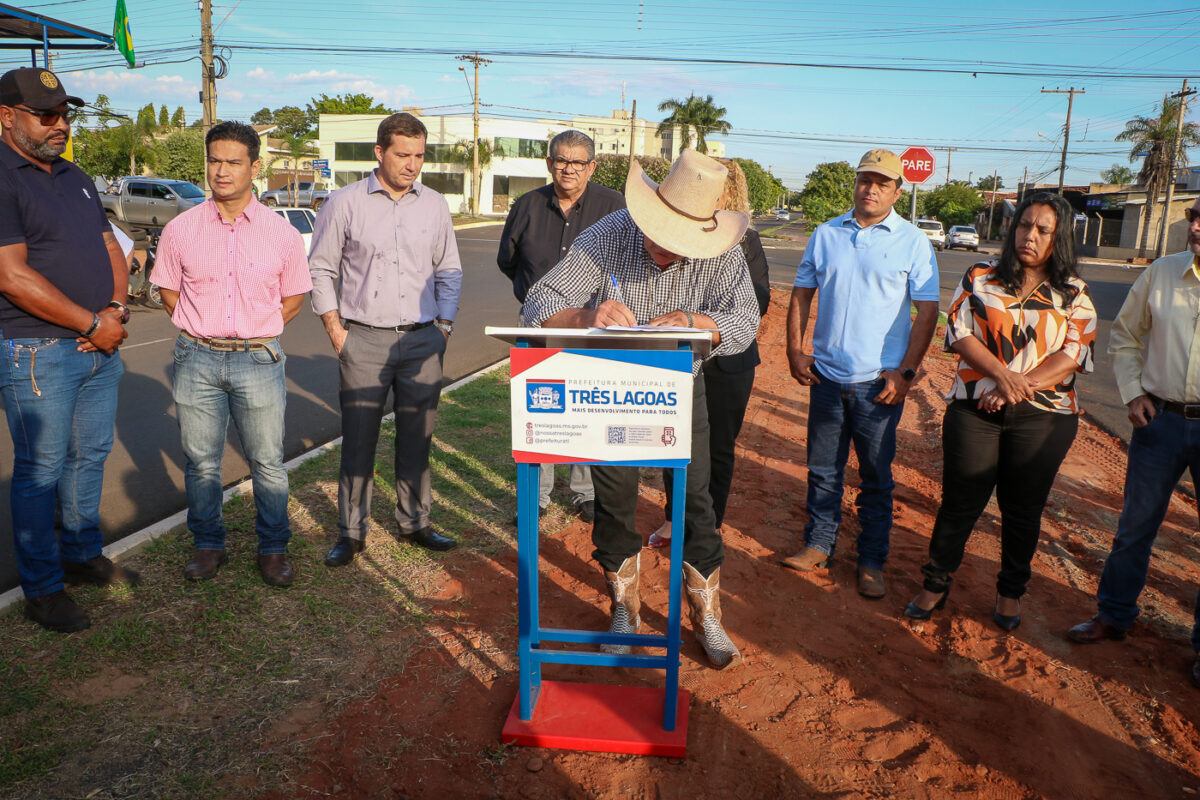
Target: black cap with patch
column 38, row 88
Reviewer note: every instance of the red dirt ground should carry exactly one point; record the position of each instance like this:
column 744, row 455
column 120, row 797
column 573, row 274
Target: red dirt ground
column 838, row 696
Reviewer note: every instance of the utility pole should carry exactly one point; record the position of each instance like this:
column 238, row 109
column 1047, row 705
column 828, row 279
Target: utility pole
column 1062, row 168
column 208, row 81
column 1024, row 180
column 949, row 150
column 1166, row 217
column 475, row 59
column 632, row 129
column 992, row 207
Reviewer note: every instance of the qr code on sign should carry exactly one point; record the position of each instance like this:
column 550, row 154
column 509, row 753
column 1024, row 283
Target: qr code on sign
column 616, row 434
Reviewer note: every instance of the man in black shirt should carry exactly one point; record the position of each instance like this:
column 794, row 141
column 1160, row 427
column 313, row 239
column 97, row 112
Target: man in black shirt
column 63, row 282
column 539, row 231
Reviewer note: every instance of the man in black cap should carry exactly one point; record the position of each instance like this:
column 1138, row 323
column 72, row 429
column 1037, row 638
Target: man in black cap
column 63, row 284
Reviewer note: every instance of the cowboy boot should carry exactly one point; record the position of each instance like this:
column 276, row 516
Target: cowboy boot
column 705, row 600
column 623, row 588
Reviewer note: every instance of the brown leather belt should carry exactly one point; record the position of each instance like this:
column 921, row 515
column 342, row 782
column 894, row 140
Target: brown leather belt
column 1185, row 410
column 230, row 345
column 416, row 326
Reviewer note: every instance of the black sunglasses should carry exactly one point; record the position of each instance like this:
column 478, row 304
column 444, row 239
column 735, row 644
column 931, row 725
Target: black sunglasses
column 49, row 118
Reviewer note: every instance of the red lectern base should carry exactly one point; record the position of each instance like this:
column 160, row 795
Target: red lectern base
column 608, row 719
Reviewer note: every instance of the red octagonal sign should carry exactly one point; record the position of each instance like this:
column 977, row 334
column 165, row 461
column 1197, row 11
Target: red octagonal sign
column 918, row 164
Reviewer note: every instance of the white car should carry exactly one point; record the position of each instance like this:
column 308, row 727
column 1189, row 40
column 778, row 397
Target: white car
column 302, row 219
column 962, row 236
column 934, row 230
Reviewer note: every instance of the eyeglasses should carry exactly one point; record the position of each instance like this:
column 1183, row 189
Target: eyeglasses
column 561, row 164
column 1190, row 214
column 50, row 118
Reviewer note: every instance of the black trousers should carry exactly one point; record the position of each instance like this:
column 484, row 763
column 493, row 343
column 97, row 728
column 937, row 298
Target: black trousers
column 1016, row 451
column 614, row 532
column 728, row 394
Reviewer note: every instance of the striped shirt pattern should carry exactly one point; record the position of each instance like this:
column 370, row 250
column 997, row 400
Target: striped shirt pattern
column 1022, row 334
column 718, row 287
column 231, row 278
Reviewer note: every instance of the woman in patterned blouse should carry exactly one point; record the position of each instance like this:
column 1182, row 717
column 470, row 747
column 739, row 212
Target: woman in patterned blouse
column 1022, row 327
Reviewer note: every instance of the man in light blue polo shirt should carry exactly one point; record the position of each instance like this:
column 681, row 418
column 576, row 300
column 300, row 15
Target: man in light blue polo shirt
column 866, row 268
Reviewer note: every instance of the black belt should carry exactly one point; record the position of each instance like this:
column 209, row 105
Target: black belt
column 230, row 345
column 1185, row 410
column 416, row 326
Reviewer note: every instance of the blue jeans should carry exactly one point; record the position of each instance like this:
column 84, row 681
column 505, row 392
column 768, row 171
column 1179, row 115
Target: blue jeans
column 210, row 386
column 61, row 406
column 838, row 414
column 1158, row 455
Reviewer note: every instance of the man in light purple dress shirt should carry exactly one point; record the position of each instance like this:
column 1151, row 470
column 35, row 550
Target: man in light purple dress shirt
column 386, row 279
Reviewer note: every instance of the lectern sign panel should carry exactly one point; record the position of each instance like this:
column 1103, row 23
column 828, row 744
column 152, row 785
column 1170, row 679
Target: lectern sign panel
column 601, row 406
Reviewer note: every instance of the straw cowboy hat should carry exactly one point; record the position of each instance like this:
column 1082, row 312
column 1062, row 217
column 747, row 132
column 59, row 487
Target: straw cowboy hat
column 681, row 214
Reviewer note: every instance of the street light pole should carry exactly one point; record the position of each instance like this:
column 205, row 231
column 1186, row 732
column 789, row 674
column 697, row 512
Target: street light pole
column 992, row 207
column 476, row 59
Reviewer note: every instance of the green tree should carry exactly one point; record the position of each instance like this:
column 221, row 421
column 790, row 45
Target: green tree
column 182, row 156
column 342, row 104
column 984, row 184
column 1118, row 174
column 955, row 203
column 293, row 122
column 463, row 153
column 262, row 117
column 763, row 187
column 295, row 150
column 178, row 119
column 828, row 192
column 164, row 119
column 612, row 169
column 700, row 115
column 1153, row 140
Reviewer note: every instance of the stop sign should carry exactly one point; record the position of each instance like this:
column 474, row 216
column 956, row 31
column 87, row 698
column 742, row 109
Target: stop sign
column 917, row 163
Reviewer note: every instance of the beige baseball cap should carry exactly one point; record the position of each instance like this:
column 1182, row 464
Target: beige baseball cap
column 881, row 161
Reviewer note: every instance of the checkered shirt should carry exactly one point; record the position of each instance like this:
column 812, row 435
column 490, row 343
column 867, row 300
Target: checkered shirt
column 717, row 287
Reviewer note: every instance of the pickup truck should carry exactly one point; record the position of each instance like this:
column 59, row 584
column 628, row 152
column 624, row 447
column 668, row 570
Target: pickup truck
column 151, row 202
column 306, row 195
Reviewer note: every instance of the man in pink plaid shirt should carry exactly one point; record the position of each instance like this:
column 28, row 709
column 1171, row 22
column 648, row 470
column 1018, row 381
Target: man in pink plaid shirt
column 232, row 274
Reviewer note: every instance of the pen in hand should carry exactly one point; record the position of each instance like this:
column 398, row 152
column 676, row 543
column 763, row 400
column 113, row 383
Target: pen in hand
column 616, row 295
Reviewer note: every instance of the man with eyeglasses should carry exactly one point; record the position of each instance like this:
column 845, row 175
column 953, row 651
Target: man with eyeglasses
column 539, row 231
column 63, row 284
column 1154, row 350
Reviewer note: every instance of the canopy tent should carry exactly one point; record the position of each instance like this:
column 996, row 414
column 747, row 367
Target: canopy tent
column 18, row 28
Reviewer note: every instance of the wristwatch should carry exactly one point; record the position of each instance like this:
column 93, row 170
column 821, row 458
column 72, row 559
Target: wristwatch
column 445, row 327
column 908, row 373
column 124, row 309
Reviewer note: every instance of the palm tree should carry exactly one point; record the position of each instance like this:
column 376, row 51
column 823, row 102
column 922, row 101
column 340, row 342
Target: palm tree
column 693, row 113
column 1153, row 139
column 295, row 149
column 463, row 152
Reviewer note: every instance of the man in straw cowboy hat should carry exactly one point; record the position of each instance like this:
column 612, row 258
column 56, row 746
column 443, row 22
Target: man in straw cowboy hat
column 867, row 268
column 676, row 262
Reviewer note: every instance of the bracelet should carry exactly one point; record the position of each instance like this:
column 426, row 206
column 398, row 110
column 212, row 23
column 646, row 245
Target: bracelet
column 690, row 318
column 92, row 328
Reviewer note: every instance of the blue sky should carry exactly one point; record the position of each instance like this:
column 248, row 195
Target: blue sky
column 560, row 59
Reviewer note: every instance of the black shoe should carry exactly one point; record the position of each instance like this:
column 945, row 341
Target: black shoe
column 56, row 612
column 587, row 510
column 1006, row 623
column 914, row 611
column 98, row 571
column 427, row 538
column 344, row 551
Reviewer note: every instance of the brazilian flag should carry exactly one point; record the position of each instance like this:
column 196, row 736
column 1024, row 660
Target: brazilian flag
column 121, row 33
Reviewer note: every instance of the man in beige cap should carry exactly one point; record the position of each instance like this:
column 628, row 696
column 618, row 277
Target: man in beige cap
column 676, row 262
column 866, row 267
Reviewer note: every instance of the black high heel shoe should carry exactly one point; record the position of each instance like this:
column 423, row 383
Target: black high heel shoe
column 1006, row 623
column 914, row 611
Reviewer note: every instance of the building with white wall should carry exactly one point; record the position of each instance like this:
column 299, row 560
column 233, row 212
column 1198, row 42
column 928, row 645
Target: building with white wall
column 518, row 163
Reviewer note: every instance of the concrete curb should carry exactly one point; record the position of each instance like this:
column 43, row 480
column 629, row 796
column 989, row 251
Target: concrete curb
column 467, row 226
column 130, row 544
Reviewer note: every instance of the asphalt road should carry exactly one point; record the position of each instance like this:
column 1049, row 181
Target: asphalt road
column 144, row 475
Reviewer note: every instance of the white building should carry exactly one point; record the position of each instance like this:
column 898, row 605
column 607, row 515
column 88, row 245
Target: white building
column 518, row 164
